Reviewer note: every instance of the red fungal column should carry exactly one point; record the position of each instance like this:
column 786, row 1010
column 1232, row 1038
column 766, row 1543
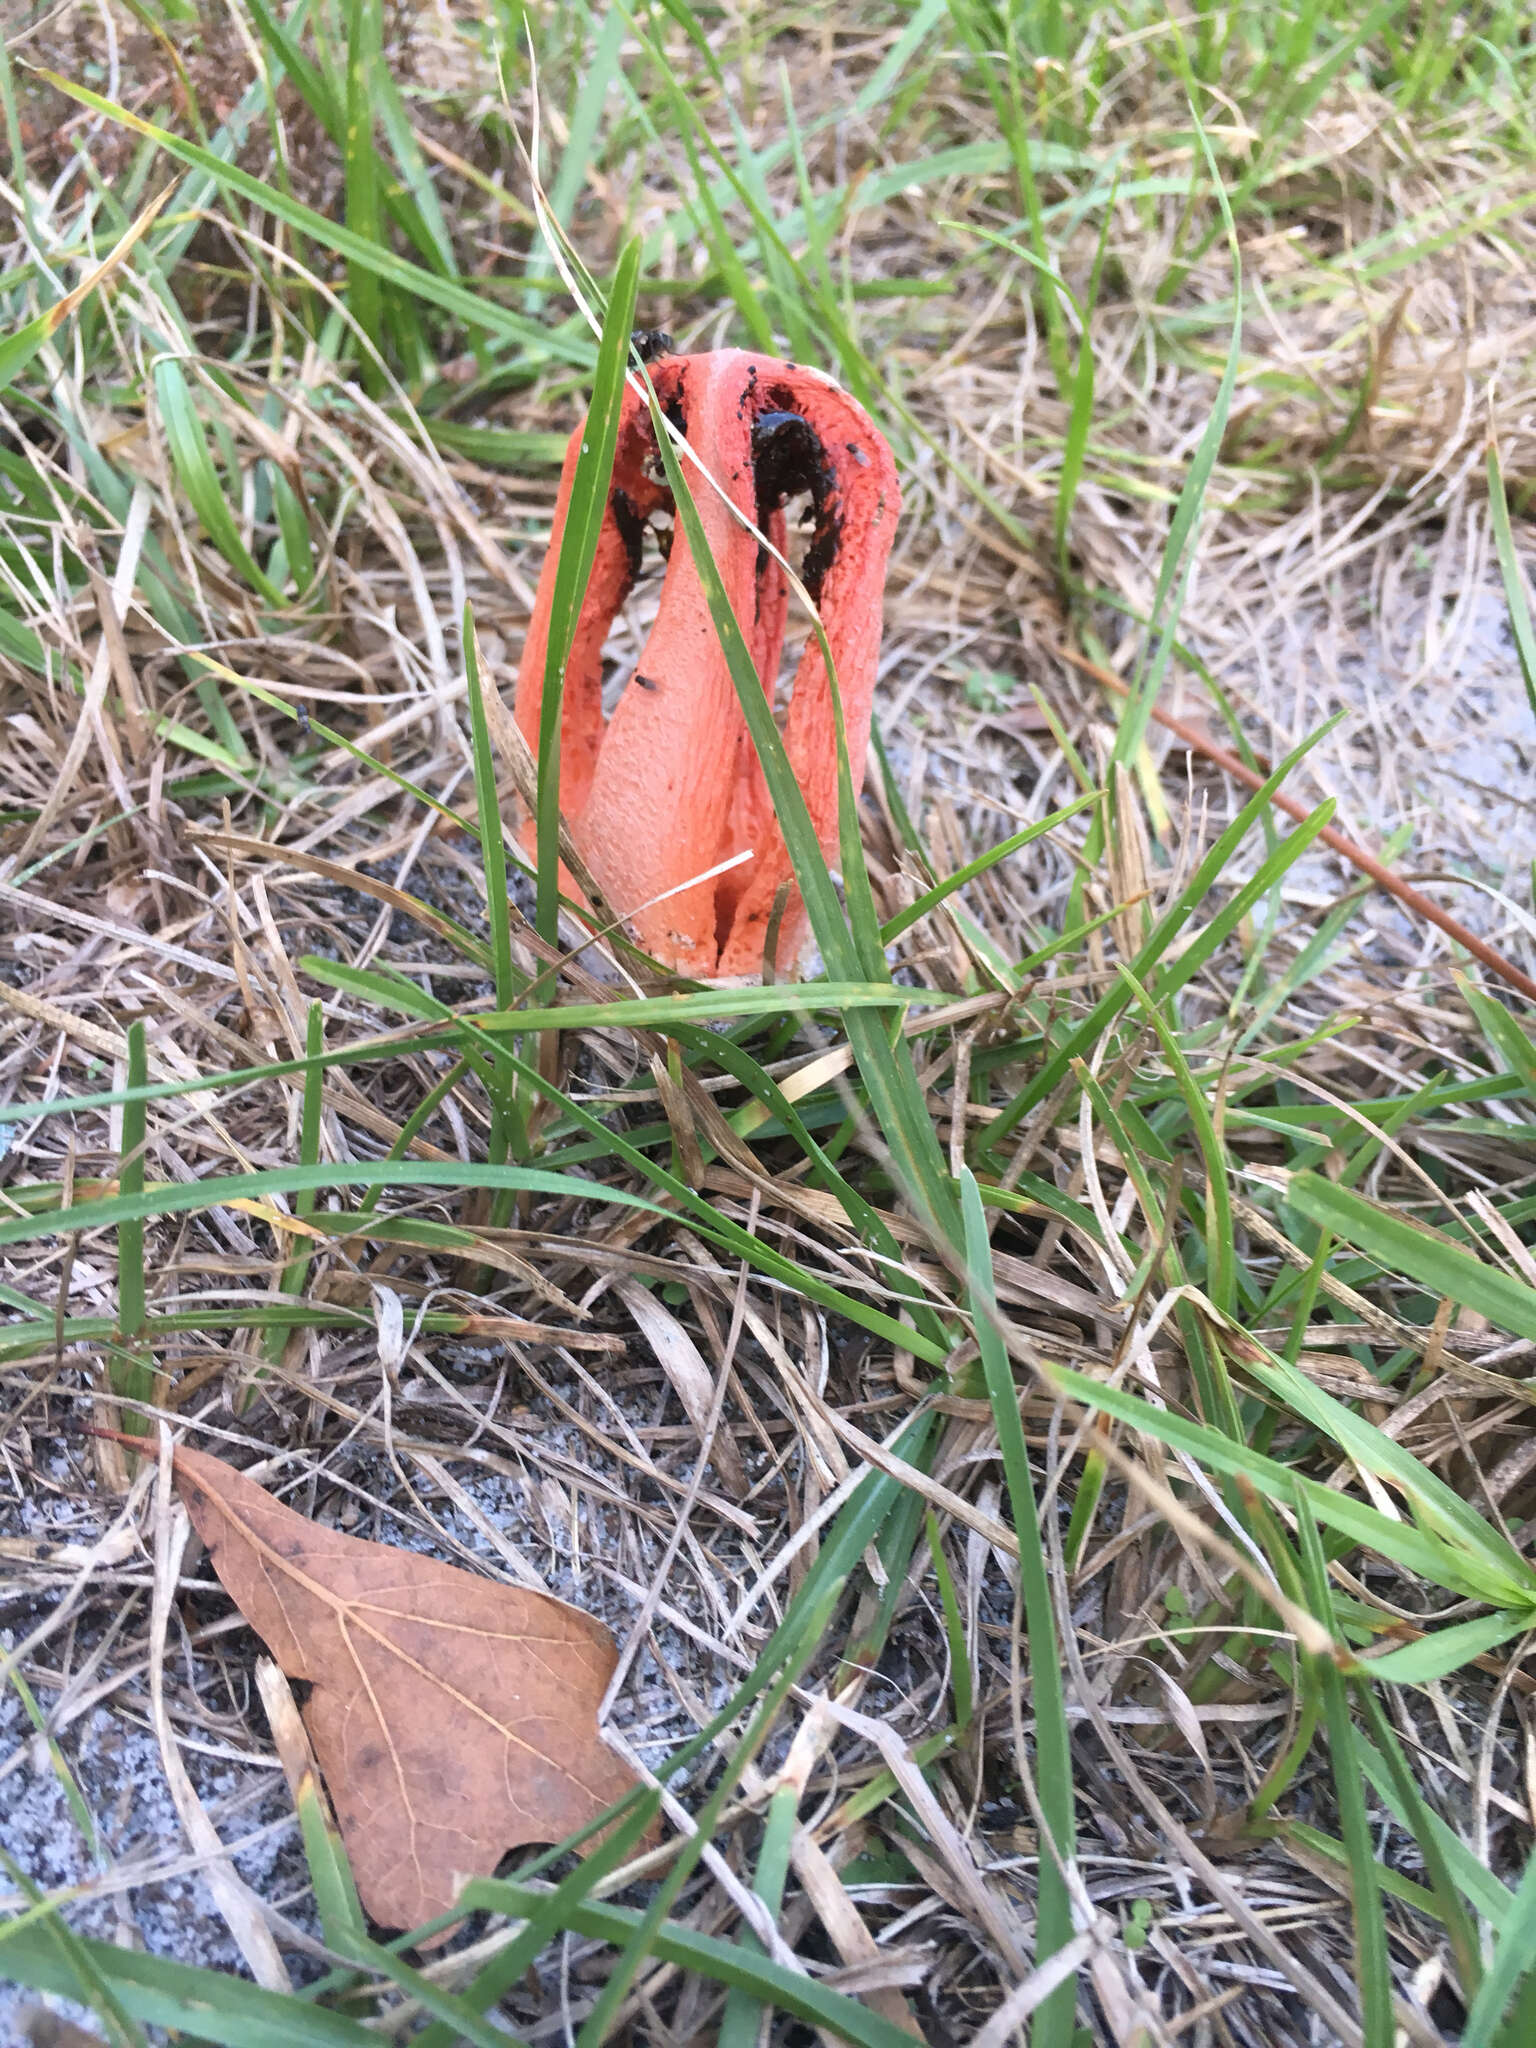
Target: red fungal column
column 672, row 786
column 857, row 502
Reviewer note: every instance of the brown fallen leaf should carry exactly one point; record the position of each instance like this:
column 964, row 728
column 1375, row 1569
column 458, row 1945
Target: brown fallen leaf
column 453, row 1718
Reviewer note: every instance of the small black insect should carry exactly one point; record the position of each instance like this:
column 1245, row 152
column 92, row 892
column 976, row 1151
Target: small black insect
column 650, row 342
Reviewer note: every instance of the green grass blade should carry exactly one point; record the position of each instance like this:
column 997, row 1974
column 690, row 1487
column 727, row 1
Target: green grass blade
column 595, row 74
column 1053, row 1749
column 205, row 2005
column 741, row 2022
column 1510, row 1968
column 511, row 1962
column 578, row 550
column 961, row 1685
column 131, row 1374
column 1220, row 1245
column 1420, row 1255
column 644, row 1013
column 364, row 33
column 1414, row 1550
column 899, row 1112
column 709, row 1957
column 493, row 852
column 292, row 1280
column 1473, row 1880
column 1372, row 1968
column 330, row 1871
column 1179, row 553
column 1435, row 1503
column 1515, row 596
column 1502, row 1031
column 449, row 2009
column 1421, row 1821
column 983, row 863
column 130, row 1179
column 182, row 1198
column 199, row 479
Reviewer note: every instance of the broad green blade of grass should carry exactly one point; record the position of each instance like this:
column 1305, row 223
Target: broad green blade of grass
column 1515, row 595
column 1508, row 1976
column 508, row 1133
column 415, row 210
column 586, row 509
column 1427, row 1830
column 363, row 25
column 1510, row 1042
column 308, row 80
column 707, row 1956
column 505, row 447
column 1438, row 1506
column 1372, row 1967
column 1472, row 1879
column 1416, row 1551
column 204, row 2005
column 1219, row 1241
column 198, row 476
column 417, row 207
column 1448, row 1649
column 1053, row 2025
column 182, row 1198
column 1420, row 1255
column 742, row 2020
column 652, row 1013
column 330, row 1871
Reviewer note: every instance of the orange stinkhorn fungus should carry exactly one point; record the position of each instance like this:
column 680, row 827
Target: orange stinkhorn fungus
column 670, row 785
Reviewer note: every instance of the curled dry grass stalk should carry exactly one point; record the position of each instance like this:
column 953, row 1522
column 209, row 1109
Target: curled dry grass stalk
column 1045, row 1408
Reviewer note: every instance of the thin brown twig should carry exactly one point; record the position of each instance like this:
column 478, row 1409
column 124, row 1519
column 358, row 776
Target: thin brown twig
column 1357, row 855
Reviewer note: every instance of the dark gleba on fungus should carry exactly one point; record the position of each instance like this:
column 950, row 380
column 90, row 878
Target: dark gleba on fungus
column 670, row 785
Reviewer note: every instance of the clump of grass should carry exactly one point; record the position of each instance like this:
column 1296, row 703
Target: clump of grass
column 1113, row 1276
